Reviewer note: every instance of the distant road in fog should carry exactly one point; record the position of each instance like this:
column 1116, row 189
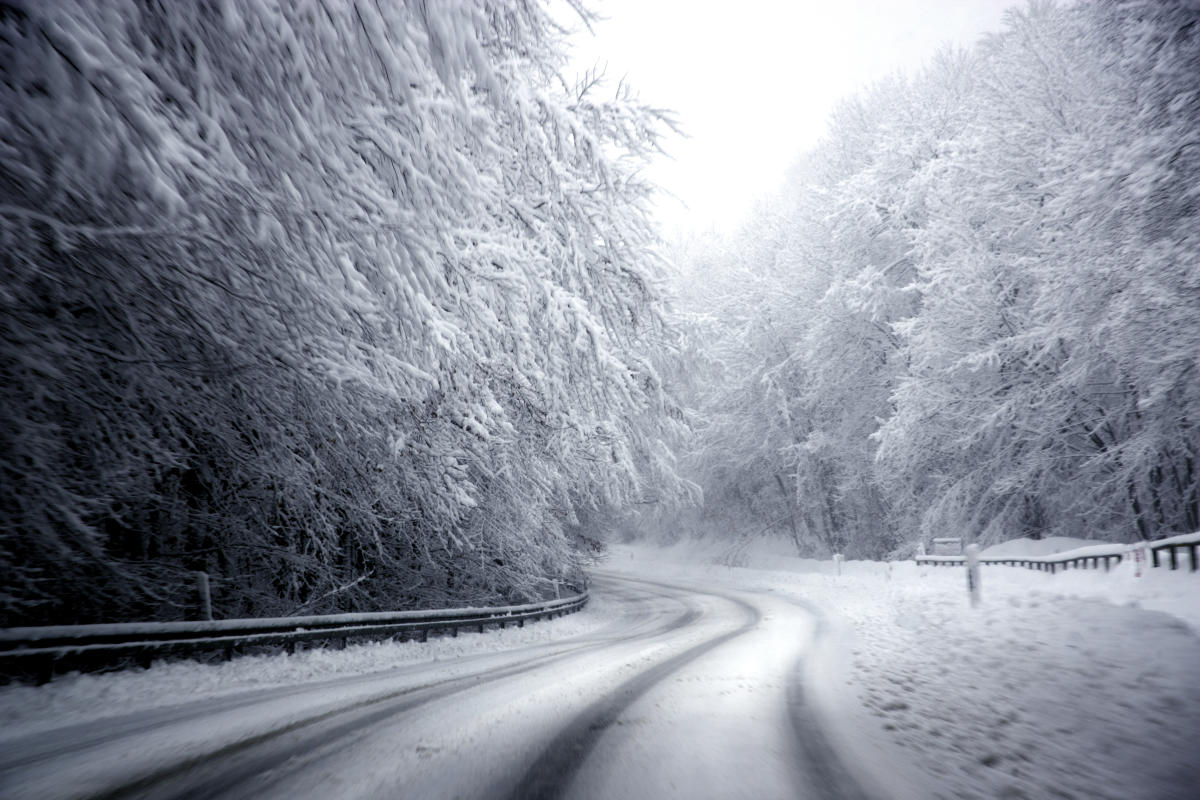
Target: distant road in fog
column 687, row 693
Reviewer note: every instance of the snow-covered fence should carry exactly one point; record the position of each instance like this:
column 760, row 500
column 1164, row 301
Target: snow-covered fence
column 1051, row 564
column 1093, row 557
column 40, row 652
column 1188, row 542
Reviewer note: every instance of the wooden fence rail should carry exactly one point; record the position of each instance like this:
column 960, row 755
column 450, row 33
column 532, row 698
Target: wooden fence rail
column 1044, row 564
column 1172, row 547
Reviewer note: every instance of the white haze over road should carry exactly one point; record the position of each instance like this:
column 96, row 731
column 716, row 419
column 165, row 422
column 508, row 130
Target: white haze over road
column 753, row 82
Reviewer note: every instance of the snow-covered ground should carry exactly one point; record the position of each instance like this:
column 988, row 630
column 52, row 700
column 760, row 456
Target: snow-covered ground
column 669, row 671
column 1076, row 685
column 77, row 697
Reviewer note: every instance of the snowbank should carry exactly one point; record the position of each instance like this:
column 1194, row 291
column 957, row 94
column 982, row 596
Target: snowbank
column 76, row 697
column 1025, row 548
column 1061, row 686
column 1059, row 547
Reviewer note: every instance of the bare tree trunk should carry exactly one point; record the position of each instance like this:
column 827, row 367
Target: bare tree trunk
column 787, row 499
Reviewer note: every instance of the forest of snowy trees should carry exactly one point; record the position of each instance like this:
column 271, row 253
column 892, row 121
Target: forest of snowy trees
column 975, row 308
column 350, row 305
column 360, row 305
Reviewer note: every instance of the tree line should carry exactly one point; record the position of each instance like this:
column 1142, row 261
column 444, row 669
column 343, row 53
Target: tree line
column 349, row 305
column 975, row 307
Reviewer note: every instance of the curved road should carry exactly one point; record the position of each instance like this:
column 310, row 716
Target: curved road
column 688, row 692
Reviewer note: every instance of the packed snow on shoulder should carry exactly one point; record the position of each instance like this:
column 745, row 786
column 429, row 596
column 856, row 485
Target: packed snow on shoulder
column 1076, row 685
column 76, row 697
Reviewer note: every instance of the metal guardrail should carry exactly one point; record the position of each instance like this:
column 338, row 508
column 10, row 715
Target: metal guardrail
column 41, row 652
column 1043, row 563
column 1172, row 549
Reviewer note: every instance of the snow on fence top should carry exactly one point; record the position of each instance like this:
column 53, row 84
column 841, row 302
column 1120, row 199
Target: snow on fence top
column 1183, row 538
column 1097, row 554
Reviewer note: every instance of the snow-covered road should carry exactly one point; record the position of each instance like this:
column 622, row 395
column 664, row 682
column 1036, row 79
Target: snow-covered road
column 684, row 691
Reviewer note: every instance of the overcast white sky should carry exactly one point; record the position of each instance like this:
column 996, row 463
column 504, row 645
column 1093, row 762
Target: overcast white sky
column 753, row 81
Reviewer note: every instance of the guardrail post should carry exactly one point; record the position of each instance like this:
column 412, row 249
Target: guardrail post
column 1153, row 556
column 1192, row 555
column 205, row 596
column 1174, row 558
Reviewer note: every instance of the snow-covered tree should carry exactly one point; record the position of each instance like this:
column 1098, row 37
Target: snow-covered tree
column 1030, row 390
column 348, row 304
column 973, row 308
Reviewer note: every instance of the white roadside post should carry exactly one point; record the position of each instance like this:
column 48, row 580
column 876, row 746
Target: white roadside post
column 838, row 558
column 972, row 560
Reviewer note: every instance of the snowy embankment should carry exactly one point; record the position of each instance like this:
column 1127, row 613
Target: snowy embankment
column 1057, row 686
column 76, row 697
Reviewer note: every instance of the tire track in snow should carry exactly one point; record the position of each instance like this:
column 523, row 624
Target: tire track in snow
column 825, row 771
column 58, row 742
column 239, row 767
column 551, row 773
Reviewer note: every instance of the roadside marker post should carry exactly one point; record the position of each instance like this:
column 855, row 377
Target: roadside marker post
column 972, row 561
column 838, row 558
